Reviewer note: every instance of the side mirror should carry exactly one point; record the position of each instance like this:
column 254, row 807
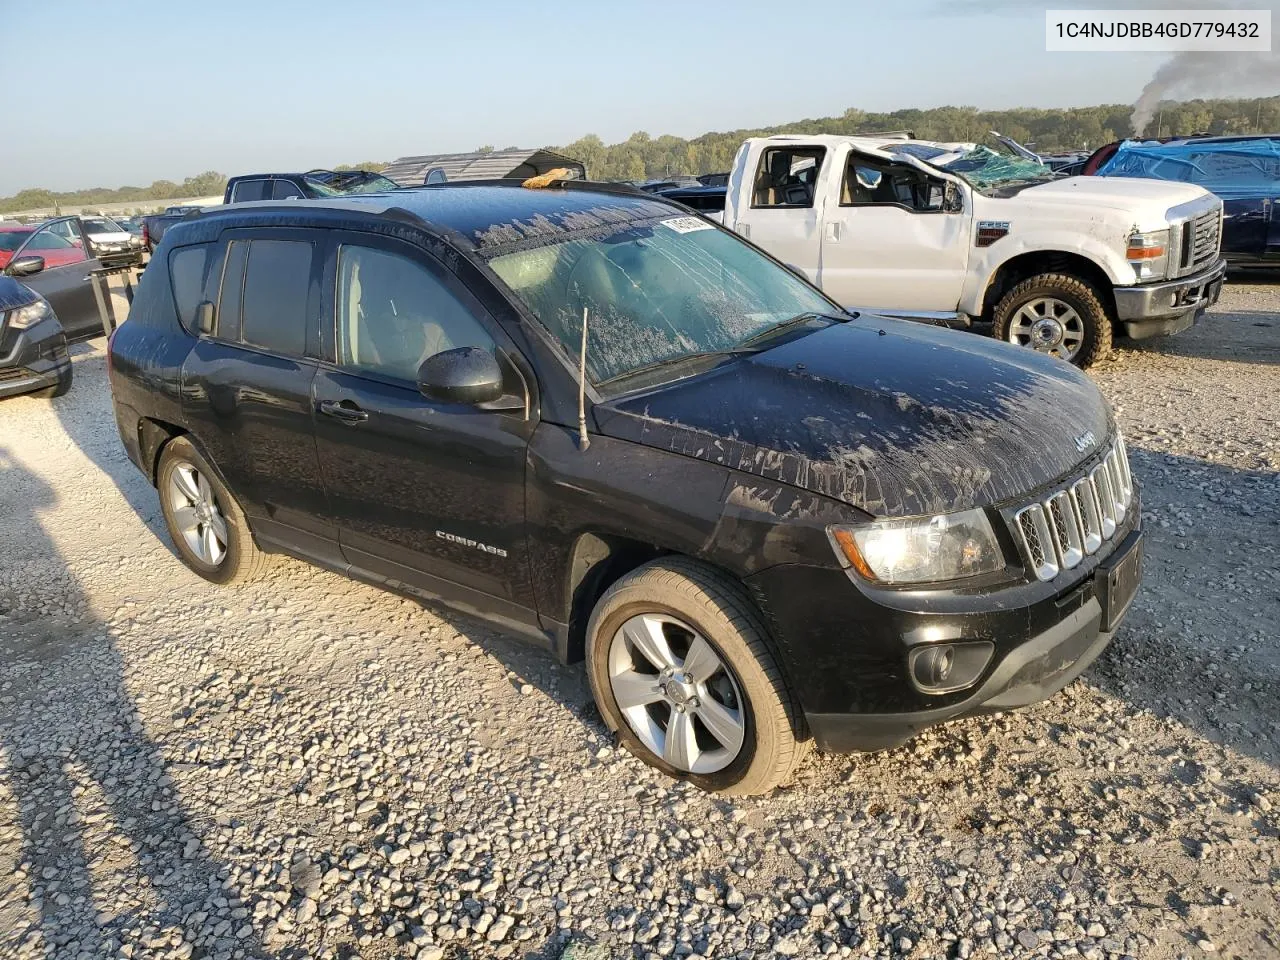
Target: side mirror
column 952, row 198
column 204, row 317
column 462, row 375
column 25, row 266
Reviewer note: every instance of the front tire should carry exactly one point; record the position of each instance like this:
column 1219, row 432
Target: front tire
column 205, row 522
column 681, row 668
column 1057, row 314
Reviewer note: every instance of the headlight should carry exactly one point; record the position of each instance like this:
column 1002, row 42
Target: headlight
column 29, row 315
column 1148, row 254
column 923, row 550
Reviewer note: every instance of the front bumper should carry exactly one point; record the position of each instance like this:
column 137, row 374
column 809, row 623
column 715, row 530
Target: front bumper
column 33, row 359
column 848, row 662
column 1156, row 309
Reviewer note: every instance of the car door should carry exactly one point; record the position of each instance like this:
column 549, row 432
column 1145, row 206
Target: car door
column 65, row 280
column 892, row 241
column 425, row 493
column 785, row 213
column 1272, row 251
column 247, row 382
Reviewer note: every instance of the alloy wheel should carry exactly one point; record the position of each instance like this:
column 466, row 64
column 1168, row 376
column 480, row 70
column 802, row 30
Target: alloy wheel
column 677, row 694
column 1048, row 325
column 196, row 514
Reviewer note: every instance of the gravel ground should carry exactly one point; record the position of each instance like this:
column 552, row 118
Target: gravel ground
column 310, row 767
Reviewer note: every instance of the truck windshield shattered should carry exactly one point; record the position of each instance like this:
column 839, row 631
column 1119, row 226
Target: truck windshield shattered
column 988, row 170
column 658, row 293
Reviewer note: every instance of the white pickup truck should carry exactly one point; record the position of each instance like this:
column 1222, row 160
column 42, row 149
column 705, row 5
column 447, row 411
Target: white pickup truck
column 959, row 233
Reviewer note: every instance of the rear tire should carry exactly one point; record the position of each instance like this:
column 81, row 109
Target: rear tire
column 734, row 690
column 205, row 523
column 1052, row 312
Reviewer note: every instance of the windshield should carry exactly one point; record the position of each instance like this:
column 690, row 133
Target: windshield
column 11, row 240
column 102, row 225
column 992, row 164
column 656, row 291
column 345, row 183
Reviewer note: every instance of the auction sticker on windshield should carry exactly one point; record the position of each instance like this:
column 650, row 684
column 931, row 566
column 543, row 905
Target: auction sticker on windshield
column 686, row 224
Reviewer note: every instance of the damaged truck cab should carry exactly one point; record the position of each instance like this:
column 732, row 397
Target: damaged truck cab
column 958, row 233
column 628, row 435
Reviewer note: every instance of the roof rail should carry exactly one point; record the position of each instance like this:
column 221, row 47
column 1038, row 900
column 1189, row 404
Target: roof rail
column 593, row 186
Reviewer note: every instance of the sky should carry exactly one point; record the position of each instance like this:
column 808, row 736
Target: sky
column 171, row 89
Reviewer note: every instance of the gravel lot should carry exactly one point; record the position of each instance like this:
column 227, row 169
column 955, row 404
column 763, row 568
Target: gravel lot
column 310, row 767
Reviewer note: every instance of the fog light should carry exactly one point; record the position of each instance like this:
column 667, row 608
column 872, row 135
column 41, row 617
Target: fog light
column 947, row 667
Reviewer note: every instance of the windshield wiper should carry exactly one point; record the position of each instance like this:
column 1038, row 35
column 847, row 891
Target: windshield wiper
column 680, row 358
column 798, row 319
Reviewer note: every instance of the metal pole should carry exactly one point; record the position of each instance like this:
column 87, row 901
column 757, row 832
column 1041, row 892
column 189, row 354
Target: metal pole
column 104, row 311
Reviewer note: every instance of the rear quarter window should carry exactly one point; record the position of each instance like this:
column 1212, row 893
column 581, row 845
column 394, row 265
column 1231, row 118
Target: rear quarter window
column 187, row 267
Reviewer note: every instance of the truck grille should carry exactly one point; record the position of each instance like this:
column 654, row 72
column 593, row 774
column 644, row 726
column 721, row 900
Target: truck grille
column 1072, row 523
column 1201, row 238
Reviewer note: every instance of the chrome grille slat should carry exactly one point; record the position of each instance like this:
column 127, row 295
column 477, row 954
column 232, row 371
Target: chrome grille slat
column 1067, row 539
column 1074, row 522
column 1106, row 500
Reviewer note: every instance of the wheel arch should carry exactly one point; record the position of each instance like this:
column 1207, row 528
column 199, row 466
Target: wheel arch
column 1022, row 267
column 153, row 436
column 598, row 561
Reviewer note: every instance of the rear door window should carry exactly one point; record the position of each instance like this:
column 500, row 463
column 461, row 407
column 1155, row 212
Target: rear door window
column 231, row 290
column 285, row 190
column 247, row 190
column 187, row 267
column 277, row 281
column 787, row 177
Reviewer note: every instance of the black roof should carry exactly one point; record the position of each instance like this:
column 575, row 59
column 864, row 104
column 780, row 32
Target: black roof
column 488, row 213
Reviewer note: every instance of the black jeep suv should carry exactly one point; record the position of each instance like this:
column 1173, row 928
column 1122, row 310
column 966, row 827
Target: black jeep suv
column 769, row 522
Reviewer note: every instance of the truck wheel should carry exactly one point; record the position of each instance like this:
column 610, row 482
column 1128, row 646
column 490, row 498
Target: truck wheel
column 205, row 522
column 680, row 667
column 1056, row 314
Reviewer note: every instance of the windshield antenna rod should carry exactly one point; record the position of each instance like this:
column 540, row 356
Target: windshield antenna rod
column 583, row 440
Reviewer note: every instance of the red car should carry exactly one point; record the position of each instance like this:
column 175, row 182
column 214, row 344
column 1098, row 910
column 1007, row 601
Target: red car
column 59, row 243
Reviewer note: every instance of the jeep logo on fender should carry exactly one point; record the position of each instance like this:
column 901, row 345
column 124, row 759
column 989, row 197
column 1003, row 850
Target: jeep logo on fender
column 1085, row 441
column 474, row 544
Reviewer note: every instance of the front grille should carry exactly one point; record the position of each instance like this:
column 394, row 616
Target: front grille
column 1074, row 522
column 13, row 373
column 1201, row 240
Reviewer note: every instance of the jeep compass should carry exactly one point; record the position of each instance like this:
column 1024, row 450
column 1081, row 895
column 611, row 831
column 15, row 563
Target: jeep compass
column 594, row 420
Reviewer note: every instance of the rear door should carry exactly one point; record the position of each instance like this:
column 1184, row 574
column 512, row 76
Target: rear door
column 891, row 241
column 1245, row 226
column 425, row 493
column 65, row 280
column 247, row 386
column 785, row 210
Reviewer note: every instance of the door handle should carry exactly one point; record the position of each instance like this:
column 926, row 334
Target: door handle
column 833, row 230
column 345, row 410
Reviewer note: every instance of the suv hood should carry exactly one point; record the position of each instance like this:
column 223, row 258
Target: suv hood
column 893, row 417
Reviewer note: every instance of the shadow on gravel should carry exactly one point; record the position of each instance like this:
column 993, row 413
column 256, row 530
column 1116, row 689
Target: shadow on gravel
column 1201, row 642
column 83, row 413
column 94, row 802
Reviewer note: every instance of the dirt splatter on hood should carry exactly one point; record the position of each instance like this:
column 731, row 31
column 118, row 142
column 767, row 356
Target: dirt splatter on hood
column 895, row 418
